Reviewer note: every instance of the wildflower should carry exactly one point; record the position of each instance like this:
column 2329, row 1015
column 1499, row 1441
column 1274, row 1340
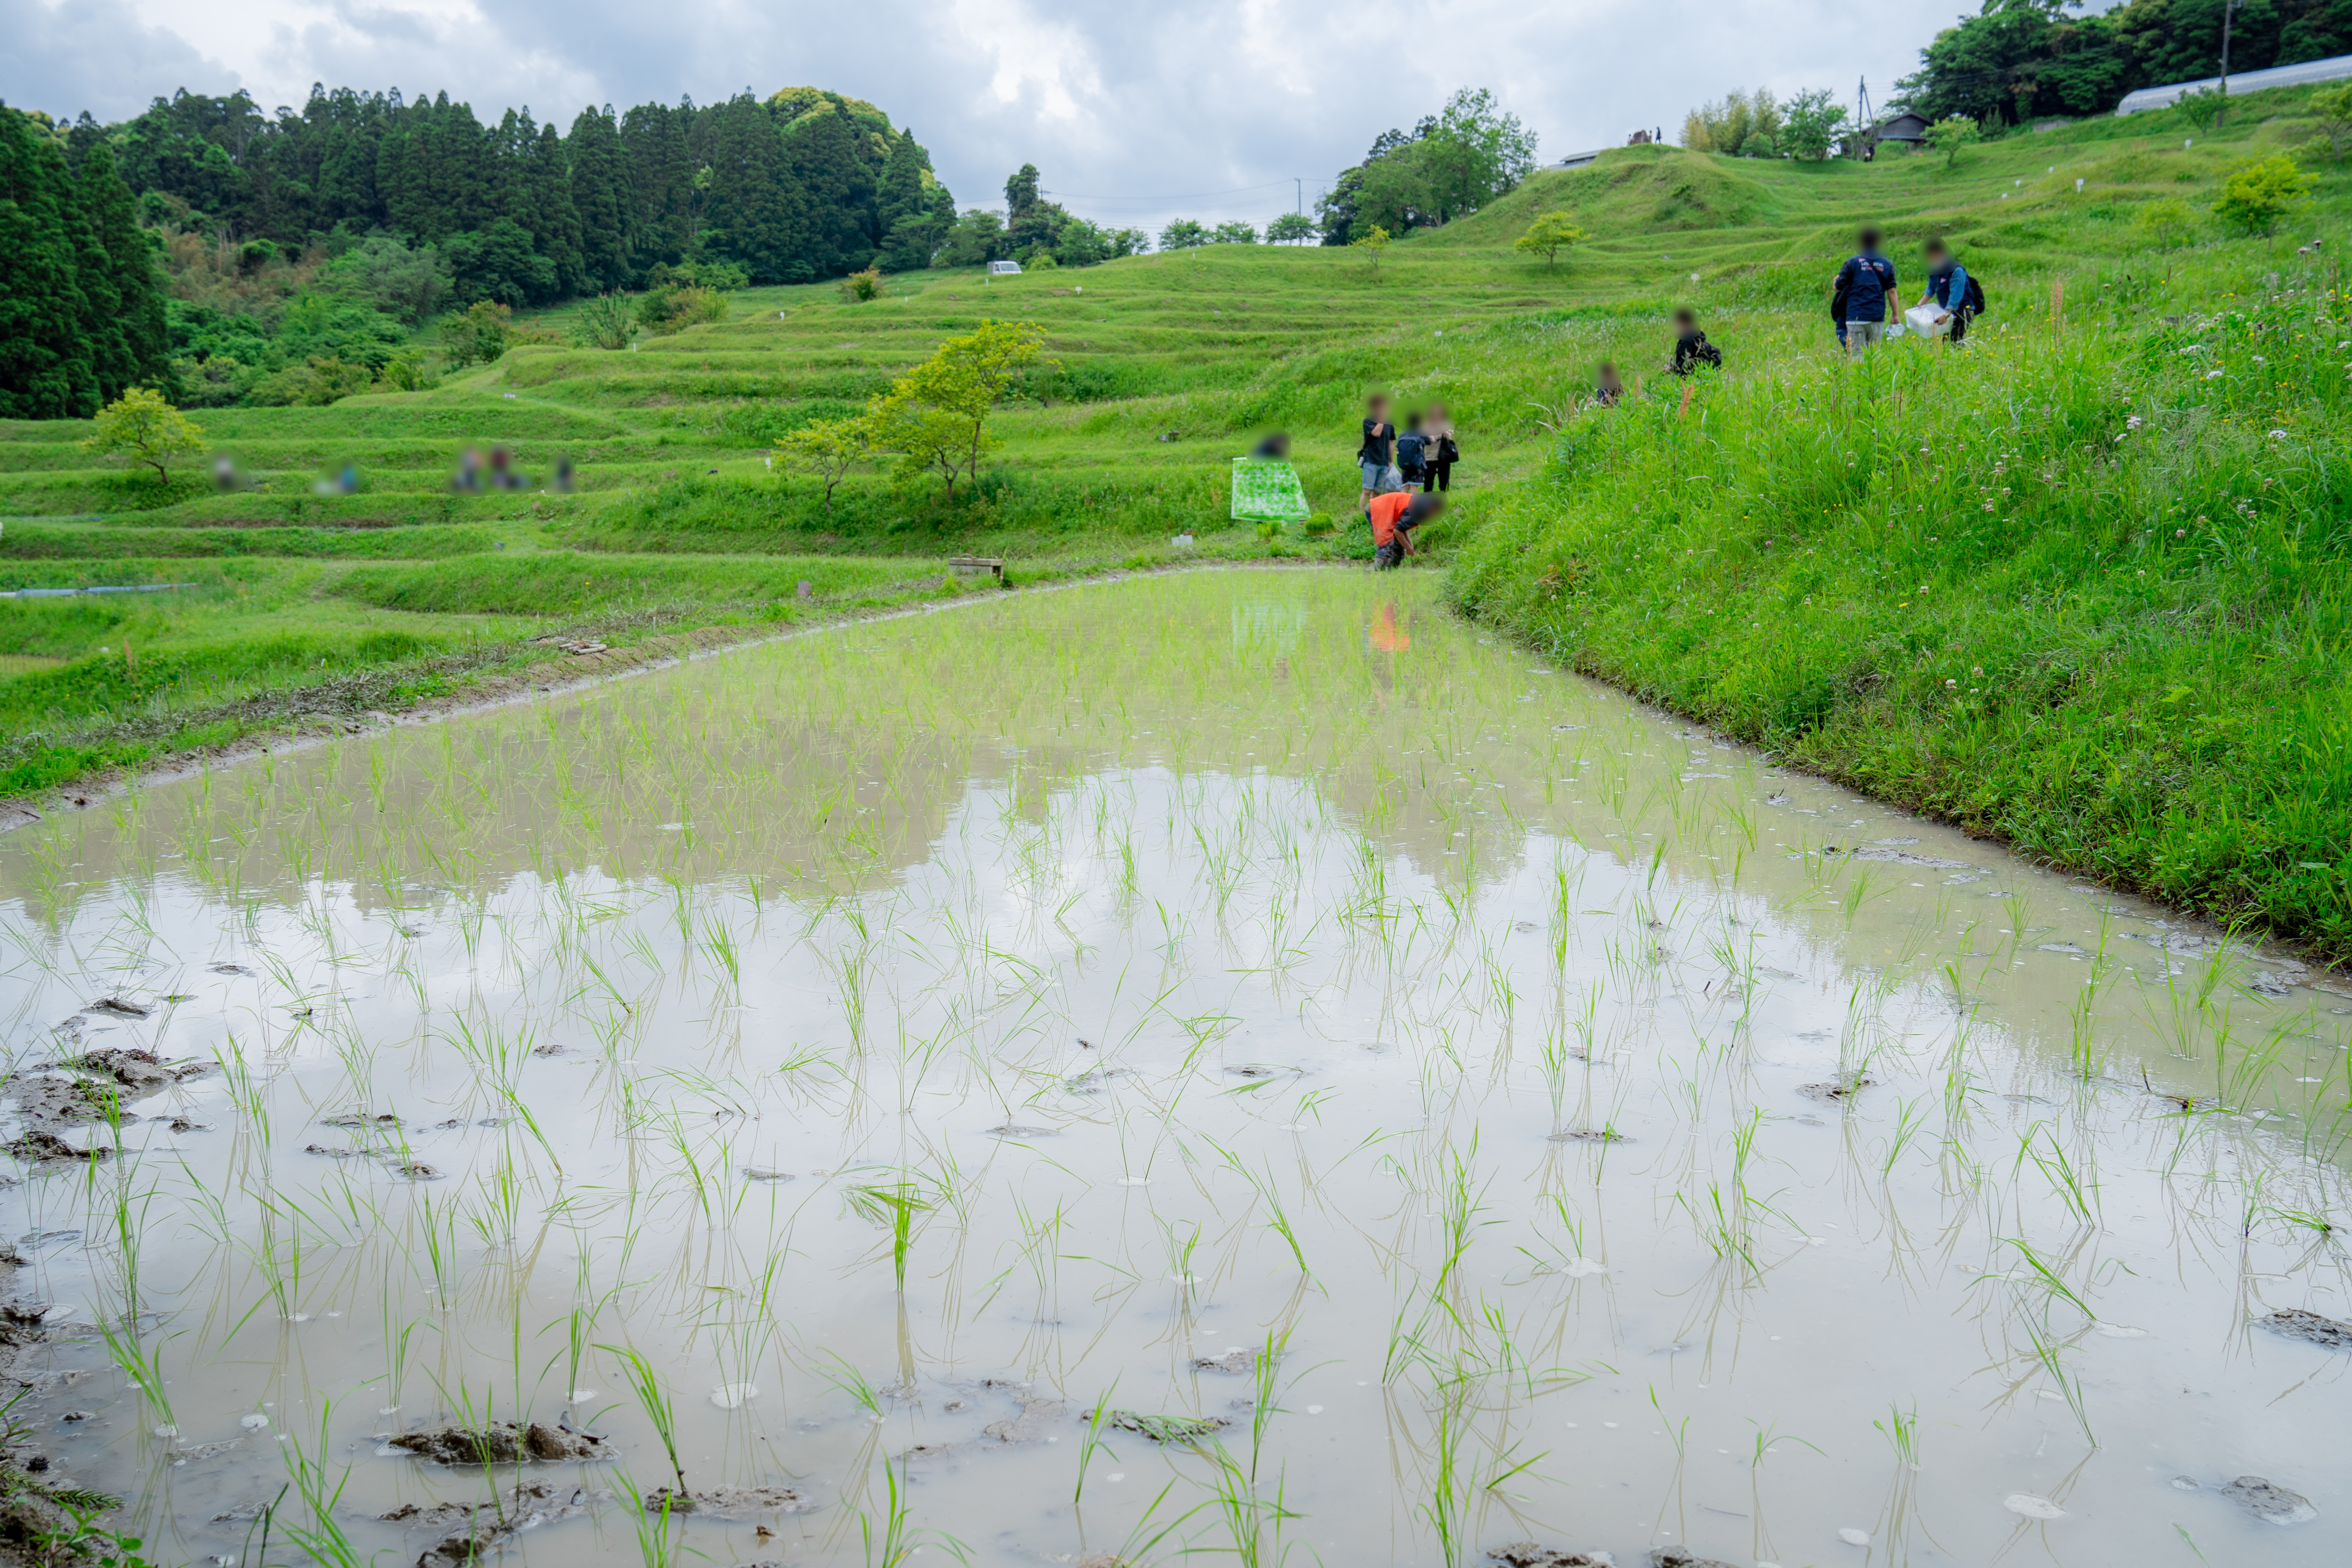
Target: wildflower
column 2259, row 360
column 1977, row 670
column 2278, row 435
column 2134, row 423
column 2143, row 571
column 2182, row 532
column 1922, row 587
column 1988, row 506
column 1951, row 685
column 2213, row 375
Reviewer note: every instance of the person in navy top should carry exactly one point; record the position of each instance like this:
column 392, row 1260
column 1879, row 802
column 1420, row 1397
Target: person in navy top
column 1865, row 296
column 1948, row 287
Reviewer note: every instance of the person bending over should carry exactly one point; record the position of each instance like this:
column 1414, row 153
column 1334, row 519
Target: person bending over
column 1691, row 348
column 1394, row 517
column 1608, row 391
column 1951, row 288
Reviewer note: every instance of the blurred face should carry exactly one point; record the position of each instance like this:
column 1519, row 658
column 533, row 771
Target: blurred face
column 1380, row 407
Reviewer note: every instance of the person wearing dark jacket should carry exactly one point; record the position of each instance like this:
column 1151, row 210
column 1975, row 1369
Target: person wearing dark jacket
column 1691, row 348
column 1948, row 287
column 1377, row 455
column 1442, row 452
column 1608, row 390
column 1412, row 452
column 1865, row 297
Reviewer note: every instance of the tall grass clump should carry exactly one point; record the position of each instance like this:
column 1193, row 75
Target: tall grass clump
column 2077, row 586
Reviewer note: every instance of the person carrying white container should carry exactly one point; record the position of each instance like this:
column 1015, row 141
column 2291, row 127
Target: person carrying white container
column 1953, row 299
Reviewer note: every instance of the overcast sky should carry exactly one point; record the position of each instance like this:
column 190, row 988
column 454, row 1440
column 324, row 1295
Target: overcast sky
column 1135, row 111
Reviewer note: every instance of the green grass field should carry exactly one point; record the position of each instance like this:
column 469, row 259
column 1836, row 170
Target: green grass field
column 1749, row 548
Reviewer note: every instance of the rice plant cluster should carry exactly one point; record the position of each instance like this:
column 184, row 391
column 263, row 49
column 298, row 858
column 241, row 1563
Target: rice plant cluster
column 1238, row 1063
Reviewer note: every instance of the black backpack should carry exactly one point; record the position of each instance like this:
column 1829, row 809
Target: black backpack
column 1975, row 302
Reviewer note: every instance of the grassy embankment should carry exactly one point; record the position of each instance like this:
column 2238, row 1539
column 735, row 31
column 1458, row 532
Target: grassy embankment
column 2173, row 731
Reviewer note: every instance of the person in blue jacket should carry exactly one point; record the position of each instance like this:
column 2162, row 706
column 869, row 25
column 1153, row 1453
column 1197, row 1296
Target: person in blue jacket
column 1866, row 296
column 1948, row 287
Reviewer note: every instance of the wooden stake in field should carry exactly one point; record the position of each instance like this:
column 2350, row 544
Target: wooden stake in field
column 2058, row 304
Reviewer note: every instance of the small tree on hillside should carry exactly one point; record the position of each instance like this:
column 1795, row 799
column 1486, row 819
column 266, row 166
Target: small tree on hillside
column 1374, row 246
column 143, row 426
column 1810, row 122
column 2334, row 108
column 1290, row 229
column 1551, row 233
column 2255, row 197
column 827, row 449
column 1234, row 233
column 1183, row 235
column 2168, row 223
column 480, row 335
column 1948, row 136
column 934, row 418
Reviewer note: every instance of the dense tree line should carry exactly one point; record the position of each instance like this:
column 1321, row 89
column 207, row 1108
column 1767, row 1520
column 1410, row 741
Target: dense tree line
column 1034, row 231
column 236, row 257
column 796, row 186
column 2019, row 59
column 81, row 309
column 1452, row 164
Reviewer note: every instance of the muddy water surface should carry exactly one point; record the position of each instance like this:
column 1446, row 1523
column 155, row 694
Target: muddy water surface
column 1240, row 1062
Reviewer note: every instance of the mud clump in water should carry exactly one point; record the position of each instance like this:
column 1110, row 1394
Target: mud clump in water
column 727, row 1503
column 1681, row 1557
column 1232, row 1361
column 2297, row 1324
column 500, row 1443
column 1165, row 1428
column 1528, row 1555
column 1036, row 1415
column 39, row 1148
column 1838, row 1092
column 2272, row 1505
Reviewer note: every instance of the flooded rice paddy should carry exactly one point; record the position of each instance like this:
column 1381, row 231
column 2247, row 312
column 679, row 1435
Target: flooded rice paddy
column 1238, row 1063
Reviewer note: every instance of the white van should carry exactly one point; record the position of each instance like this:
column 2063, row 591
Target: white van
column 1003, row 269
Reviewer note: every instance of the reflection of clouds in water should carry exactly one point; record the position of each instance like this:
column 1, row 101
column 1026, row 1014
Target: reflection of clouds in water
column 1058, row 868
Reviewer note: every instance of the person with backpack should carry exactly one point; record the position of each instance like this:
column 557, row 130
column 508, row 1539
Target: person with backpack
column 1394, row 517
column 1442, row 453
column 1608, row 391
column 1949, row 286
column 1691, row 348
column 1376, row 457
column 1412, row 452
column 1865, row 295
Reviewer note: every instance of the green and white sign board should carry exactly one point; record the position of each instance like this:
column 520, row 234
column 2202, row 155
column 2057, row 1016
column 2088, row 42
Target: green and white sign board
column 1266, row 490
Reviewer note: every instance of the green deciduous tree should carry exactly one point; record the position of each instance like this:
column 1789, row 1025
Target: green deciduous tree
column 1183, row 234
column 827, row 449
column 143, row 427
column 1810, row 122
column 934, row 418
column 1551, row 233
column 2168, row 223
column 1725, row 126
column 1949, row 136
column 1233, row 232
column 2256, row 195
column 2334, row 108
column 1290, row 229
column 480, row 336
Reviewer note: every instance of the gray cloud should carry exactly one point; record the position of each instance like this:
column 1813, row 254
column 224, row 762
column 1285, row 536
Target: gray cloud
column 1136, row 113
column 96, row 55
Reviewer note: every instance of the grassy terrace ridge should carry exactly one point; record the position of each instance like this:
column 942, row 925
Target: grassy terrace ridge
column 1754, row 557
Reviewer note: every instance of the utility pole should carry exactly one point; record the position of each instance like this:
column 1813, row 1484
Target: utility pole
column 1301, row 184
column 2228, row 11
column 1861, row 101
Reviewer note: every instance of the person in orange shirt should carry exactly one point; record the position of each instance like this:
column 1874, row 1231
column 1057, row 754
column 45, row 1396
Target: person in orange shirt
column 1394, row 517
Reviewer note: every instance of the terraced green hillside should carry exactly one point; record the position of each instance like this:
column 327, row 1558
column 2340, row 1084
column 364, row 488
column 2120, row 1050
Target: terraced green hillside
column 309, row 605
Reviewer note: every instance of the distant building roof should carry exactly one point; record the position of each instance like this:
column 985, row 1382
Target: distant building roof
column 2165, row 97
column 1908, row 126
column 1578, row 160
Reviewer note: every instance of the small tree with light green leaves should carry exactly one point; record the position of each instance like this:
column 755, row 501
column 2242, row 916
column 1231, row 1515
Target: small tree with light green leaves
column 827, row 449
column 1374, row 246
column 143, row 427
column 2334, row 108
column 2257, row 194
column 1949, row 136
column 1550, row 234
